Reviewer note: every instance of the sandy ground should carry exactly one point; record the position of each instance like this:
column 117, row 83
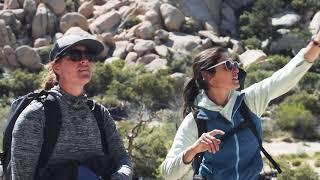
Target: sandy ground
column 280, row 147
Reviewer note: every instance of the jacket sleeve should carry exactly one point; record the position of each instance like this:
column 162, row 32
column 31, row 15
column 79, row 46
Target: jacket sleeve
column 27, row 139
column 260, row 94
column 117, row 149
column 173, row 166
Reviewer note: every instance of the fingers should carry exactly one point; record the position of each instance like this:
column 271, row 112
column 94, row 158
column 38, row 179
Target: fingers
column 215, row 132
column 209, row 142
column 213, row 143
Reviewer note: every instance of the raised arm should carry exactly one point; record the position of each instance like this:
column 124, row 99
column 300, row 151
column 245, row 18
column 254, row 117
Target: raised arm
column 260, row 94
column 313, row 49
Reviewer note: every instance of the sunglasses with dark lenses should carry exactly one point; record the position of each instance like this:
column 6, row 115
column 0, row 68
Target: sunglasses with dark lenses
column 77, row 55
column 229, row 64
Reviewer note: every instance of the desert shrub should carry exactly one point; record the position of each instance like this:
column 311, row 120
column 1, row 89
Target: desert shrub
column 136, row 85
column 256, row 20
column 302, row 172
column 296, row 119
column 101, row 78
column 19, row 82
column 310, row 82
column 155, row 90
column 190, row 26
column 304, row 5
column 273, row 63
column 252, row 43
column 309, row 101
column 179, row 62
column 296, row 162
column 4, row 111
column 289, row 172
column 256, row 76
column 150, row 147
column 259, row 71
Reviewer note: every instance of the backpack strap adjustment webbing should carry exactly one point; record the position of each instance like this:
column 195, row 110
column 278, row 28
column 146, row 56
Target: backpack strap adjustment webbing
column 244, row 110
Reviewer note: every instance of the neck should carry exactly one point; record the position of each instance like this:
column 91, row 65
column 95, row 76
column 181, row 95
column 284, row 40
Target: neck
column 72, row 89
column 219, row 96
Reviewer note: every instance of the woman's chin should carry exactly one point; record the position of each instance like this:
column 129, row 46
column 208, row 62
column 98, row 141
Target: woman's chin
column 237, row 85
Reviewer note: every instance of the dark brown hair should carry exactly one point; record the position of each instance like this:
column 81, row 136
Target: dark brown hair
column 203, row 60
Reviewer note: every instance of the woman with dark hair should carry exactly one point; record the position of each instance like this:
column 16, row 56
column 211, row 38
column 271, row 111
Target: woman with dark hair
column 79, row 138
column 211, row 93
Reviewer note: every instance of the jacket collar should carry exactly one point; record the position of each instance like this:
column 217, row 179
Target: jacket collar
column 203, row 101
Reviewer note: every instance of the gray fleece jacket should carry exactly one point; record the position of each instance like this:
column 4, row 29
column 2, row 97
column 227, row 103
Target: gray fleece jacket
column 79, row 137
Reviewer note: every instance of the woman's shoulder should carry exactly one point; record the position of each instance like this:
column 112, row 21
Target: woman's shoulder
column 34, row 109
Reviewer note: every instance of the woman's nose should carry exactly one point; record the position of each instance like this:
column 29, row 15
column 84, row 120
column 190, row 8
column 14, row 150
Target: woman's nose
column 235, row 70
column 84, row 60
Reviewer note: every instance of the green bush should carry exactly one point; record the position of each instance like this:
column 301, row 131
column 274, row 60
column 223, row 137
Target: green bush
column 310, row 82
column 190, row 26
column 155, row 90
column 136, row 85
column 123, row 91
column 296, row 162
column 309, row 101
column 256, row 76
column 304, row 172
column 252, row 43
column 256, row 21
column 101, row 78
column 4, row 112
column 273, row 63
column 150, row 147
column 18, row 83
column 304, row 5
column 259, row 71
column 179, row 62
column 296, row 119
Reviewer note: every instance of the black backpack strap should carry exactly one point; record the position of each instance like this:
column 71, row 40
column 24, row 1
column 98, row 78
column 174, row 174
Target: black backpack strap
column 202, row 128
column 244, row 110
column 97, row 111
column 235, row 130
column 17, row 107
column 51, row 129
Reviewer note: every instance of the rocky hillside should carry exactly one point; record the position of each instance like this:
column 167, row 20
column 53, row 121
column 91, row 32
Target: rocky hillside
column 137, row 31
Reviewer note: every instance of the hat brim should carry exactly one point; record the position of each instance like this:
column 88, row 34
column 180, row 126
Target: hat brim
column 93, row 46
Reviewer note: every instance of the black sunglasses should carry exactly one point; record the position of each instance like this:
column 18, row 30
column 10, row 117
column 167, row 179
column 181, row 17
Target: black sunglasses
column 78, row 55
column 229, row 64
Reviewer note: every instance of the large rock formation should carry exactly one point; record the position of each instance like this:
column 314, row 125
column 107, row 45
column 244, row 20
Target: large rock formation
column 140, row 31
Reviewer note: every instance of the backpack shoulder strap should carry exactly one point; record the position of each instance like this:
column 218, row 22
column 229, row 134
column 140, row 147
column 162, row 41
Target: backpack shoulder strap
column 244, row 110
column 16, row 108
column 51, row 128
column 202, row 128
column 97, row 110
